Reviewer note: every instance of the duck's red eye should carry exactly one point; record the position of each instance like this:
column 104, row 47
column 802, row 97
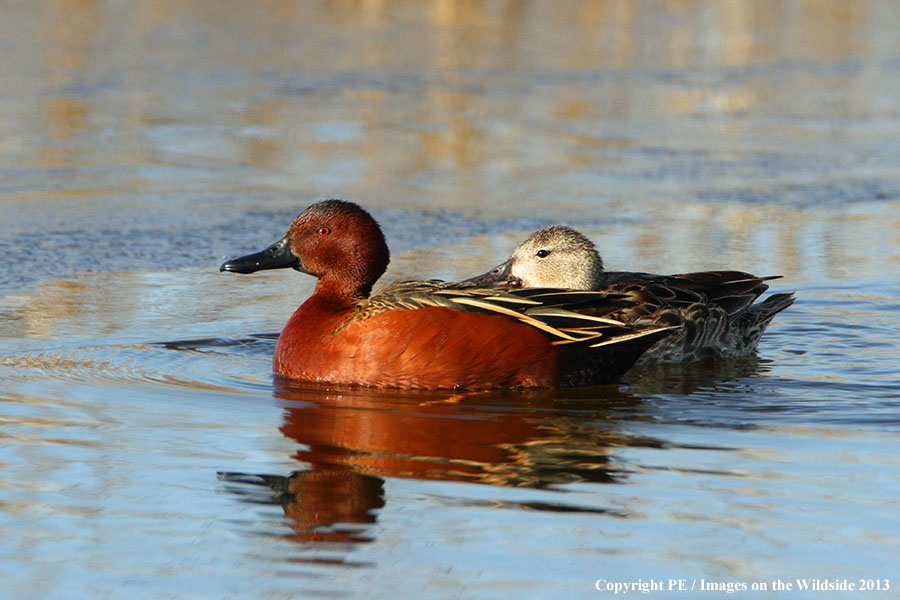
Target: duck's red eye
column 324, row 231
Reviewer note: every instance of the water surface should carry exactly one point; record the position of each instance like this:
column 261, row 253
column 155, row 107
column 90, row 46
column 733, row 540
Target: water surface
column 146, row 448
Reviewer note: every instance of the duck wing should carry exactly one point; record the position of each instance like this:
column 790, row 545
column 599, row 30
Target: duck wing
column 731, row 291
column 565, row 316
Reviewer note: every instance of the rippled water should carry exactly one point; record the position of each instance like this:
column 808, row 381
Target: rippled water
column 146, row 449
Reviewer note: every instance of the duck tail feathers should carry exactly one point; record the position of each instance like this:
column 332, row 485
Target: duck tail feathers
column 763, row 312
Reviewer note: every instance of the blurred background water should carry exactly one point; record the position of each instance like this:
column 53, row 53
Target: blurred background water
column 146, row 449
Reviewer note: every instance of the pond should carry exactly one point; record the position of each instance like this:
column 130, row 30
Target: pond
column 147, row 449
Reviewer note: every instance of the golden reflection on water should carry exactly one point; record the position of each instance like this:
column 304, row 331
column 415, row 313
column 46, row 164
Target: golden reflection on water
column 470, row 104
column 446, row 38
column 457, row 104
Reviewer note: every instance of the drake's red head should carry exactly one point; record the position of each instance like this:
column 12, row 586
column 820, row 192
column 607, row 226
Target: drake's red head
column 336, row 241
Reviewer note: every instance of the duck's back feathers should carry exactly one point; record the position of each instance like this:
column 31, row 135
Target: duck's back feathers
column 715, row 311
column 732, row 291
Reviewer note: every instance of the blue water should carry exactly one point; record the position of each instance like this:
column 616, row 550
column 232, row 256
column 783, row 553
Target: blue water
column 145, row 448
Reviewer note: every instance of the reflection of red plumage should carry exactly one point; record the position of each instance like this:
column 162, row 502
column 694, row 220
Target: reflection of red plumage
column 322, row 498
column 502, row 438
column 410, row 442
column 329, row 505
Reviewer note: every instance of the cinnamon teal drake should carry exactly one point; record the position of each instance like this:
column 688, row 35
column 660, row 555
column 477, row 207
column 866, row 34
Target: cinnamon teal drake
column 432, row 334
column 715, row 311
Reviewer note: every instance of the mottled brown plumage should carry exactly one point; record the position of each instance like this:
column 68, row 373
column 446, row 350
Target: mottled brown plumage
column 715, row 311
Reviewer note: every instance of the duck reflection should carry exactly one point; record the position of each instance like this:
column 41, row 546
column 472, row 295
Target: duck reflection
column 532, row 438
column 351, row 440
column 323, row 506
column 691, row 378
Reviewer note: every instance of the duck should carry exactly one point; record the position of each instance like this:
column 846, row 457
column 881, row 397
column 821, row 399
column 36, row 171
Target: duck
column 432, row 334
column 715, row 312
